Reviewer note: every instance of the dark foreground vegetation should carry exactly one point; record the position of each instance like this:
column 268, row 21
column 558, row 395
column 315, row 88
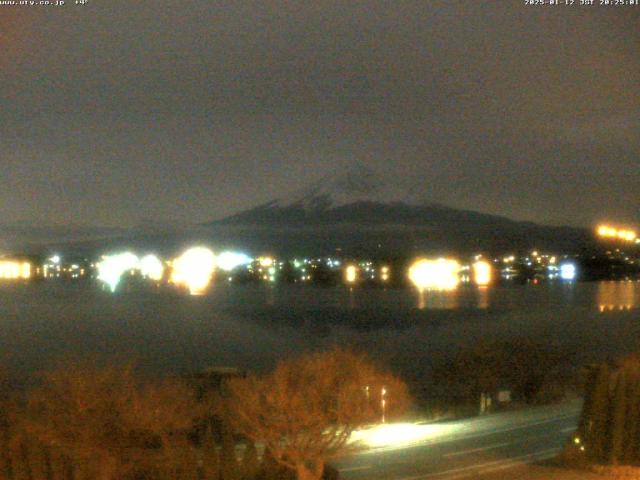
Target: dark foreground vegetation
column 87, row 422
column 532, row 372
column 609, row 429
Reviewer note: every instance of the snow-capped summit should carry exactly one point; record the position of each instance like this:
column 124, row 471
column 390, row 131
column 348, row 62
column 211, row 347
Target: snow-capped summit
column 357, row 184
column 357, row 195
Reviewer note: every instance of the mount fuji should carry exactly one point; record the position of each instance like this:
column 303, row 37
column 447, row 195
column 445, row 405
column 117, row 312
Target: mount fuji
column 358, row 211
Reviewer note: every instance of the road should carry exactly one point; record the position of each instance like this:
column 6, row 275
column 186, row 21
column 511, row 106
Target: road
column 478, row 447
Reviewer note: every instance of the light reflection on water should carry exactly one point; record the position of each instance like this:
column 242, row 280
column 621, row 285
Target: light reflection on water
column 438, row 299
column 617, row 296
column 610, row 295
column 258, row 324
column 613, row 295
column 483, row 297
column 603, row 296
column 461, row 297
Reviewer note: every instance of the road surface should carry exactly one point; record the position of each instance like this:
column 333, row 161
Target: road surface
column 478, row 447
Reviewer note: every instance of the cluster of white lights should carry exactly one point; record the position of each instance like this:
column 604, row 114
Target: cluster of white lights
column 193, row 269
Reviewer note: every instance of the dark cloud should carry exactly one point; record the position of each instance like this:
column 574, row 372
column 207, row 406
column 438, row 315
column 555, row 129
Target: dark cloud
column 121, row 111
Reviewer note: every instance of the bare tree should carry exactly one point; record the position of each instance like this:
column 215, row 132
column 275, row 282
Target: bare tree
column 306, row 410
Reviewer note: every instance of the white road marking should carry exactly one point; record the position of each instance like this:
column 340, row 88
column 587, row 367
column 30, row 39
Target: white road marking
column 473, row 450
column 568, row 429
column 355, row 469
column 543, row 455
column 486, row 467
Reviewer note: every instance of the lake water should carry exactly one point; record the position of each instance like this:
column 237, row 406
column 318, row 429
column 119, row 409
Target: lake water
column 253, row 326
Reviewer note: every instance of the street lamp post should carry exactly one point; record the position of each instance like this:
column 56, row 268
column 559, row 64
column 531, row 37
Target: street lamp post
column 384, row 403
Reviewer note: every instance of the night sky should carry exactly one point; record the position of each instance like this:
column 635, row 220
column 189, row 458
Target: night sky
column 123, row 112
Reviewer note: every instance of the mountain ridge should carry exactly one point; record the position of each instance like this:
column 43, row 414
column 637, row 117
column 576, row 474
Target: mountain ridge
column 354, row 212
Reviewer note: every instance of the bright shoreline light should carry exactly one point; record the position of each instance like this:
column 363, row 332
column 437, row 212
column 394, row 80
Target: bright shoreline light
column 384, row 274
column 440, row 274
column 351, row 274
column 568, row 271
column 13, row 270
column 482, row 273
column 151, row 267
column 112, row 267
column 194, row 269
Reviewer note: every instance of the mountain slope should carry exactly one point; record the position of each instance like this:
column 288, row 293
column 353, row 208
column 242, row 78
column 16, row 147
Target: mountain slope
column 320, row 210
